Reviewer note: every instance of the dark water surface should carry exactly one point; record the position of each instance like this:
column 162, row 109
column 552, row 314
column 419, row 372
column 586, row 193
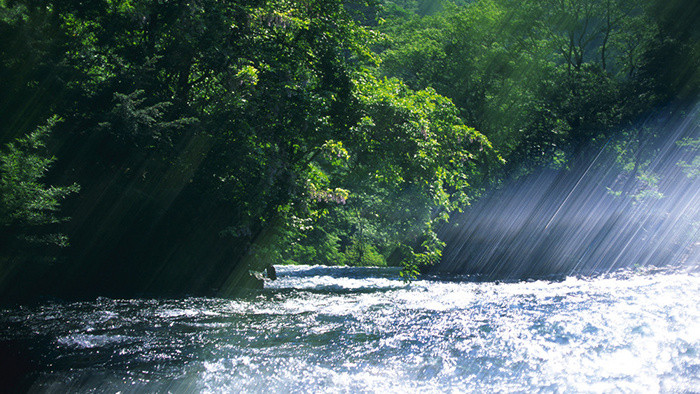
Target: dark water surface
column 322, row 329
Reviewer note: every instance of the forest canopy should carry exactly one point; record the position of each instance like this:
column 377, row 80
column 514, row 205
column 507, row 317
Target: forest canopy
column 199, row 140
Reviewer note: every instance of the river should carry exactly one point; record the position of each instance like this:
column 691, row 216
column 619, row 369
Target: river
column 321, row 329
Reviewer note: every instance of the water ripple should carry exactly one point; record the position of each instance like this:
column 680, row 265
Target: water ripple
column 325, row 329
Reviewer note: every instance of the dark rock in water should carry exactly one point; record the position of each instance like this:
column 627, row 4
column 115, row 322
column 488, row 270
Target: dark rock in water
column 271, row 272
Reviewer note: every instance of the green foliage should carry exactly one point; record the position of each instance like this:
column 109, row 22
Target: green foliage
column 26, row 203
column 361, row 254
column 691, row 165
column 131, row 122
column 214, row 136
column 411, row 149
column 542, row 79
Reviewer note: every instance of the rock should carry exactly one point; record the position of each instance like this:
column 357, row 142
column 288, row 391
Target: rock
column 271, row 272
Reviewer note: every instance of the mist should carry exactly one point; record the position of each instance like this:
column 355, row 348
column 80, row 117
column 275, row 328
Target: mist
column 598, row 215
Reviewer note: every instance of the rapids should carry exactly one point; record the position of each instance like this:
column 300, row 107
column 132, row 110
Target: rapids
column 321, row 329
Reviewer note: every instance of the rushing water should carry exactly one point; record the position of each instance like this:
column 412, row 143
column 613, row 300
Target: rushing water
column 320, row 329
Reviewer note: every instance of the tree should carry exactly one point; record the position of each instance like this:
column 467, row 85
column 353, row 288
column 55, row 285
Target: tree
column 27, row 205
column 418, row 159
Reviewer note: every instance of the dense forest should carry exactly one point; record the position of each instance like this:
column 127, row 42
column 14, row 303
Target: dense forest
column 169, row 147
